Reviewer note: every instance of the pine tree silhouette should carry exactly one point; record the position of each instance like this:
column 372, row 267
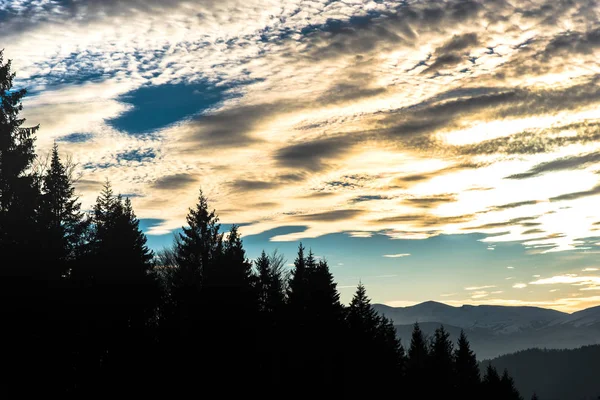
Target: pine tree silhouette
column 442, row 364
column 373, row 341
column 120, row 295
column 63, row 223
column 271, row 334
column 507, row 387
column 490, row 384
column 23, row 289
column 467, row 371
column 417, row 371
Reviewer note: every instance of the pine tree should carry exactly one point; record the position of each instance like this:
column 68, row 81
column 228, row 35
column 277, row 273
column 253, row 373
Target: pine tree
column 534, row 396
column 490, row 384
column 200, row 243
column 324, row 300
column 507, row 387
column 270, row 287
column 442, row 366
column 417, row 371
column 195, row 254
column 373, row 341
column 393, row 355
column 297, row 293
column 361, row 317
column 63, row 224
column 23, row 287
column 467, row 370
column 271, row 302
column 19, row 189
column 120, row 295
column 195, row 284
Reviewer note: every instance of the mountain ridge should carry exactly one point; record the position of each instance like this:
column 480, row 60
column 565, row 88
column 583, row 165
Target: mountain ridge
column 496, row 330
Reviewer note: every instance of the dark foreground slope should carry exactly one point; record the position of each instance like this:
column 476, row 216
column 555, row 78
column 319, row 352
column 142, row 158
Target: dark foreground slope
column 554, row 374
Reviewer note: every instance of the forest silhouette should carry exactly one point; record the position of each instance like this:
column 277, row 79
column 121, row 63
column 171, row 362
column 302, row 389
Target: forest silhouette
column 89, row 310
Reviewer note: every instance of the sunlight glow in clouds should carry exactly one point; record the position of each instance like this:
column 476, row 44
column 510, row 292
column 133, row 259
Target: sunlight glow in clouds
column 408, row 119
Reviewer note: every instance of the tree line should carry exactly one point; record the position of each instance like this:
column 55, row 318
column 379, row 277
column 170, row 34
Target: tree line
column 87, row 309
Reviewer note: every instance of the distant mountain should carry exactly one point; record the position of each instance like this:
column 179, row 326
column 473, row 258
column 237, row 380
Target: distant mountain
column 554, row 374
column 497, row 330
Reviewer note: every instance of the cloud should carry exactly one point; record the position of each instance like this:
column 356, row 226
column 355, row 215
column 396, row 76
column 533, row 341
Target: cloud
column 458, row 42
column 329, row 216
column 577, row 195
column 312, row 155
column 566, row 163
column 431, row 201
column 472, row 288
column 590, row 269
column 519, row 285
column 286, row 112
column 568, row 279
column 396, row 255
column 174, row 182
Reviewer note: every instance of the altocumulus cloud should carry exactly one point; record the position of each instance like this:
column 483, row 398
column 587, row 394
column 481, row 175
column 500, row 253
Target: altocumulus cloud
column 390, row 117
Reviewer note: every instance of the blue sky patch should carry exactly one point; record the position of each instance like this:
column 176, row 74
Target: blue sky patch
column 76, row 138
column 156, row 107
column 138, row 155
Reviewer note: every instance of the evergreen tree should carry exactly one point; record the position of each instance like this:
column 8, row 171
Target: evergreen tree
column 120, row 295
column 19, row 189
column 196, row 251
column 271, row 302
column 23, row 287
column 490, row 384
column 362, row 318
column 270, row 286
column 63, row 224
column 442, row 365
column 193, row 318
column 467, row 370
column 297, row 293
column 417, row 372
column 393, row 355
column 200, row 243
column 507, row 387
column 373, row 341
column 534, row 397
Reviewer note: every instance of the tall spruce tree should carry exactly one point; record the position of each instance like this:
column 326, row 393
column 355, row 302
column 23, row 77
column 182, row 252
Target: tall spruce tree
column 467, row 370
column 507, row 387
column 120, row 294
column 271, row 303
column 297, row 292
column 373, row 341
column 19, row 188
column 196, row 251
column 194, row 277
column 417, row 371
column 442, row 365
column 270, row 285
column 490, row 384
column 23, row 287
column 61, row 219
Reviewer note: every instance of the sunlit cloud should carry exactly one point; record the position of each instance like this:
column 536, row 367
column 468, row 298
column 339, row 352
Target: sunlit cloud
column 519, row 285
column 470, row 288
column 411, row 123
column 571, row 279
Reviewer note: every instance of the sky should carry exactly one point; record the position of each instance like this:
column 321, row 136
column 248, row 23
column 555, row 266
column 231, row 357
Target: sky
column 433, row 150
